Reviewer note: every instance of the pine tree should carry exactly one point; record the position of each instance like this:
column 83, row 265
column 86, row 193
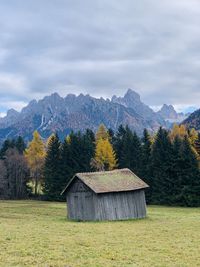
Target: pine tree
column 20, row 145
column 67, row 169
column 190, row 177
column 161, row 168
column 111, row 135
column 119, row 142
column 52, row 169
column 146, row 161
column 35, row 154
column 6, row 145
column 136, row 163
column 176, row 175
column 125, row 148
column 76, row 153
column 130, row 155
column 88, row 149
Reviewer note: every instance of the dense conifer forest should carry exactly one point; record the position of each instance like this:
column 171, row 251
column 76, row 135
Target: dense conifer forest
column 167, row 161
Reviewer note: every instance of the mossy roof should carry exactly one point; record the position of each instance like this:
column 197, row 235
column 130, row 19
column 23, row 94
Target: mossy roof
column 110, row 181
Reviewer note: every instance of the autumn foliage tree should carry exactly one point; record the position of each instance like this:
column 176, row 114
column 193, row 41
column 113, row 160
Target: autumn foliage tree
column 35, row 155
column 178, row 131
column 105, row 158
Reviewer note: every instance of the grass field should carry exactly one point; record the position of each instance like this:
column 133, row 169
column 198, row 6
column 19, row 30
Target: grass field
column 34, row 233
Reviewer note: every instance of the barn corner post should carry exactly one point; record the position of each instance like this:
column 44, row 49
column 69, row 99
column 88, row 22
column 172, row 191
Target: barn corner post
column 109, row 195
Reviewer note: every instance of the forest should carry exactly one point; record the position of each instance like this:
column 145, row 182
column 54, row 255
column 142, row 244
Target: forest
column 168, row 161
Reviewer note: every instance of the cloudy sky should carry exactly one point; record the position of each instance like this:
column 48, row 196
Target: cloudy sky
column 100, row 47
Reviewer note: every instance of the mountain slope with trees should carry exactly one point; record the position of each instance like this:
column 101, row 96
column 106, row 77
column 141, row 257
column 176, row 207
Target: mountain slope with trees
column 193, row 121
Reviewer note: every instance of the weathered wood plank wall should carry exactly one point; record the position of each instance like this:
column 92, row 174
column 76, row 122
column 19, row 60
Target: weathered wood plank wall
column 117, row 206
column 84, row 204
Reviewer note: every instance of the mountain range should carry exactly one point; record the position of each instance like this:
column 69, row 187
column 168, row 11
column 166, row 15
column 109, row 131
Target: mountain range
column 64, row 114
column 169, row 114
column 193, row 121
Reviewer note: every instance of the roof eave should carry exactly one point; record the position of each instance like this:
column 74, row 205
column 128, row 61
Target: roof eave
column 66, row 187
column 119, row 191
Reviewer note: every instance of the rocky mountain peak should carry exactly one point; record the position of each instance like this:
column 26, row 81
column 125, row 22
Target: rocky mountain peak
column 12, row 116
column 168, row 112
column 12, row 112
column 132, row 100
column 132, row 95
column 129, row 99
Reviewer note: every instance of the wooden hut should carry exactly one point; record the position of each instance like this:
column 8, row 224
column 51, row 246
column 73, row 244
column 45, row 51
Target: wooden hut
column 109, row 195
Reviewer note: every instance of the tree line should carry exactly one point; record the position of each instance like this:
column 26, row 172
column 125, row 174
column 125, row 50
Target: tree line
column 167, row 161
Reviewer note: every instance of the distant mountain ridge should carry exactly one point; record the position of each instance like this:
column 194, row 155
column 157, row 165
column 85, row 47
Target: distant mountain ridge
column 64, row 114
column 169, row 114
column 193, row 121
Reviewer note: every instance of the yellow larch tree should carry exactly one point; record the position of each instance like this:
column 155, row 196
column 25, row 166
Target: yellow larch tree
column 102, row 133
column 105, row 158
column 193, row 136
column 179, row 131
column 35, row 155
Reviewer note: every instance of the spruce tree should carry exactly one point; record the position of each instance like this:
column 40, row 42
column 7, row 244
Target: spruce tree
column 146, row 161
column 130, row 155
column 118, row 143
column 76, row 153
column 161, row 168
column 88, row 149
column 125, row 148
column 6, row 145
column 190, row 177
column 20, row 145
column 66, row 163
column 176, row 178
column 52, row 170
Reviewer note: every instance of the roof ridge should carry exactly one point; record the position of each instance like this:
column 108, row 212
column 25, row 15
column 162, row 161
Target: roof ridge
column 101, row 172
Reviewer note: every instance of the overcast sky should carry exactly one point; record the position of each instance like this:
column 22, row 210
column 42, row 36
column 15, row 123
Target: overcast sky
column 100, row 47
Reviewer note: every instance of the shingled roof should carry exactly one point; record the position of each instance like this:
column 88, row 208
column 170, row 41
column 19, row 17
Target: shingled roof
column 110, row 181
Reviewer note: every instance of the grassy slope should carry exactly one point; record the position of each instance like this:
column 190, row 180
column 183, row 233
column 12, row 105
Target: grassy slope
column 37, row 234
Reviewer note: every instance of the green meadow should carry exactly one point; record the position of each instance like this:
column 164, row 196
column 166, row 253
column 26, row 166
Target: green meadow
column 34, row 233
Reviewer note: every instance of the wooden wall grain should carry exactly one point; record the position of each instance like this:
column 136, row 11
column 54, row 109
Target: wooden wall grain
column 83, row 204
column 118, row 206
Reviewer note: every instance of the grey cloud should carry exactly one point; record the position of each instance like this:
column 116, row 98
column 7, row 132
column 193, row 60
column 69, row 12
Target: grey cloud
column 101, row 48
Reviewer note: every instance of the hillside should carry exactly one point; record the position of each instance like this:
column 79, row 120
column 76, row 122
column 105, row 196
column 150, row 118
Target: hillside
column 193, row 121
